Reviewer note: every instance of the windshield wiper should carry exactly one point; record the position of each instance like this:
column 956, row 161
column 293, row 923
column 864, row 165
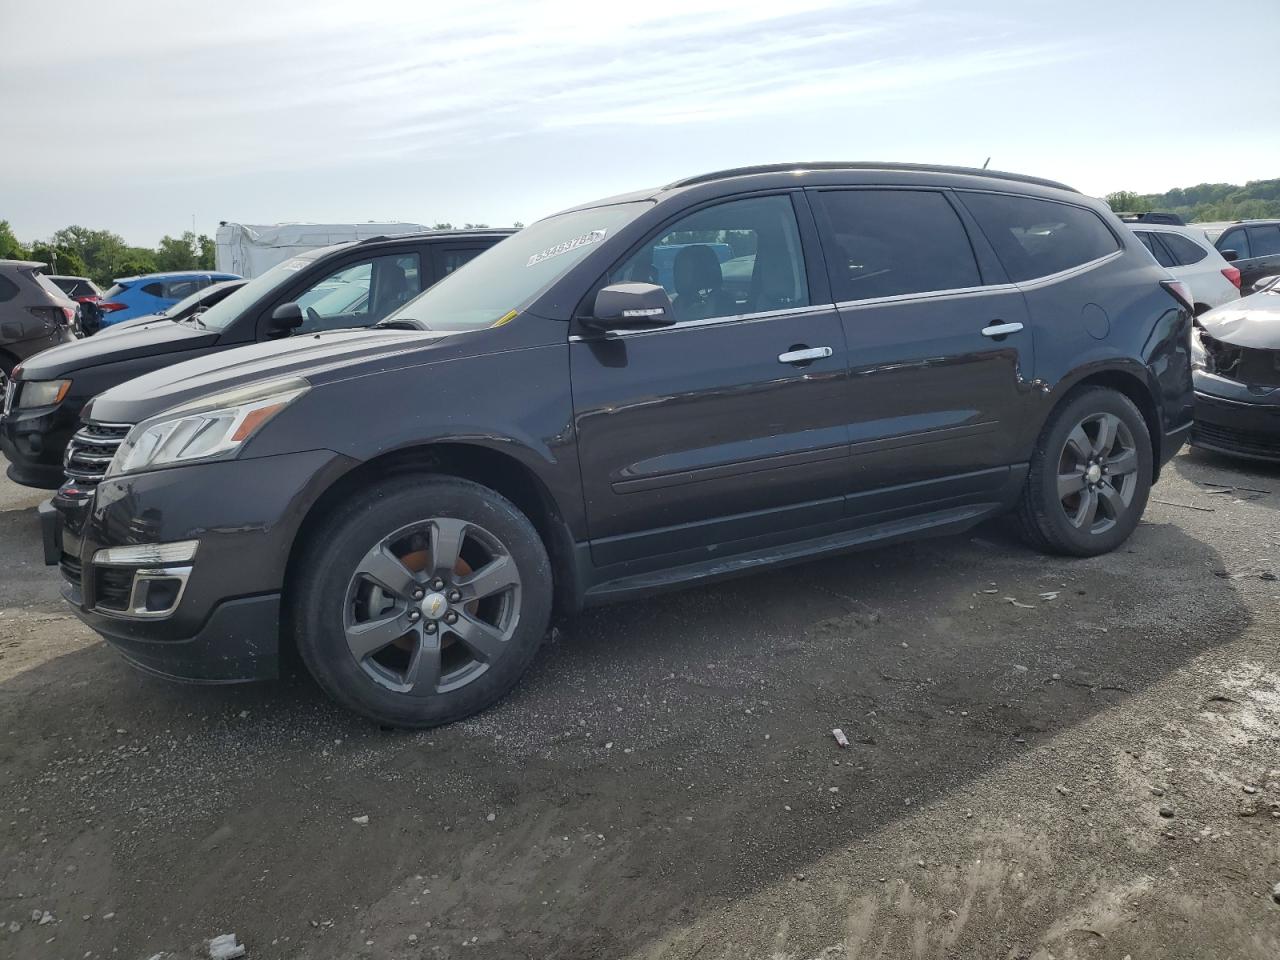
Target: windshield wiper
column 404, row 324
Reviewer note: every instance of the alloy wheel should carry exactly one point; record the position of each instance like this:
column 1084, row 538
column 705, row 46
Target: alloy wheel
column 432, row 607
column 1097, row 473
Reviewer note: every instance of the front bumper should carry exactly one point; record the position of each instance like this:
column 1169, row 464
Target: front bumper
column 245, row 514
column 1235, row 419
column 34, row 442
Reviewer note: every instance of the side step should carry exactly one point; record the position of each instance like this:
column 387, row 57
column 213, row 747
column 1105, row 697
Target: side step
column 951, row 520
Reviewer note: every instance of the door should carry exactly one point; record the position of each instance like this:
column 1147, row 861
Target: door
column 727, row 425
column 938, row 347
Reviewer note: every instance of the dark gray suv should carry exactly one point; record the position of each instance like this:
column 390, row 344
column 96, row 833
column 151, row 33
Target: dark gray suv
column 749, row 368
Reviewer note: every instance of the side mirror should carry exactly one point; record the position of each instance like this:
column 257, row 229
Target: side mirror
column 622, row 306
column 1264, row 283
column 1229, row 255
column 285, row 319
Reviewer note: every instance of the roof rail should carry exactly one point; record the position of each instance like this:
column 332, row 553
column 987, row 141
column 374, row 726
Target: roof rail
column 863, row 165
column 1153, row 216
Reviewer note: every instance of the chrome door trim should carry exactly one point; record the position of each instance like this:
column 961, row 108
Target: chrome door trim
column 712, row 322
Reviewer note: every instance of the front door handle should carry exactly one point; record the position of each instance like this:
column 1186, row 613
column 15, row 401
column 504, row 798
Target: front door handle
column 805, row 355
column 997, row 330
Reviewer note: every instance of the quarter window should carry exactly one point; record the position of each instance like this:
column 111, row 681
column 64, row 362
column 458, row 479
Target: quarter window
column 8, row 289
column 727, row 260
column 1152, row 243
column 155, row 289
column 1236, row 240
column 1185, row 252
column 1036, row 238
column 892, row 242
column 1265, row 241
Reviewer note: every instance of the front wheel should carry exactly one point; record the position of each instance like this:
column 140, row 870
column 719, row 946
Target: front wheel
column 1090, row 475
column 422, row 600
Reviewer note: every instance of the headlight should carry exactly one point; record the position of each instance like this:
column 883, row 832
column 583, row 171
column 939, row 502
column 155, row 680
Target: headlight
column 42, row 393
column 208, row 428
column 1200, row 357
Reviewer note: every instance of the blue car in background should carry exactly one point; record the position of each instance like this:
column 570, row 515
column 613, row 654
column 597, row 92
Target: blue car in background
column 151, row 293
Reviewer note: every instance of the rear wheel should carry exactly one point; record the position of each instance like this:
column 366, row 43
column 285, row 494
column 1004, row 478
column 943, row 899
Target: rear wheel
column 422, row 601
column 1090, row 475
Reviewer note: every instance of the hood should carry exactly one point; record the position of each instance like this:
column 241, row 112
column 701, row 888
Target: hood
column 1252, row 321
column 319, row 358
column 150, row 339
column 133, row 323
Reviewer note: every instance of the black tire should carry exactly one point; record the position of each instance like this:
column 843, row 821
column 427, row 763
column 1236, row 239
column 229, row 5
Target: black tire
column 1063, row 524
column 330, row 592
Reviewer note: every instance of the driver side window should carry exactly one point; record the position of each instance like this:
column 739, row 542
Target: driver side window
column 735, row 258
column 360, row 294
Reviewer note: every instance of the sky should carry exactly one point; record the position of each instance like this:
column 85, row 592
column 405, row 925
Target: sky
column 149, row 118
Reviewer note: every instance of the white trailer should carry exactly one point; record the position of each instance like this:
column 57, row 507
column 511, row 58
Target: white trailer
column 250, row 249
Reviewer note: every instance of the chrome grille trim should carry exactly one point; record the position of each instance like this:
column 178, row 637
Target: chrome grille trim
column 91, row 450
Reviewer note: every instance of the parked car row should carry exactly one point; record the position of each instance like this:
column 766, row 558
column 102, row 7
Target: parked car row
column 405, row 470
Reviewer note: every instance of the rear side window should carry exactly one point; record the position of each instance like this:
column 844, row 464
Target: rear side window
column 181, row 289
column 1236, row 240
column 1037, row 238
column 1185, row 252
column 1158, row 250
column 8, row 289
column 1265, row 241
column 886, row 243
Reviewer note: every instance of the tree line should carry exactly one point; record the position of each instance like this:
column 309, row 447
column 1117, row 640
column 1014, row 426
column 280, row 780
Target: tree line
column 1256, row 200
column 103, row 256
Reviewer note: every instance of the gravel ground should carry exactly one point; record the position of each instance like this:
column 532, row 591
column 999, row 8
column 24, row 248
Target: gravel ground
column 1047, row 759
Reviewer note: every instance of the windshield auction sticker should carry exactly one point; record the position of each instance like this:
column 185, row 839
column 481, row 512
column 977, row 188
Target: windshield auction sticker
column 595, row 236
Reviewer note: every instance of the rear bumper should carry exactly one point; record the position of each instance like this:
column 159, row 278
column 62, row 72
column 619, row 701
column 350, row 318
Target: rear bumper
column 1244, row 424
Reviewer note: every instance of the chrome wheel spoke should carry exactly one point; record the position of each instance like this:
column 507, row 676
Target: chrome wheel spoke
column 1070, row 484
column 371, row 636
column 387, row 572
column 485, row 641
column 447, row 536
column 495, row 576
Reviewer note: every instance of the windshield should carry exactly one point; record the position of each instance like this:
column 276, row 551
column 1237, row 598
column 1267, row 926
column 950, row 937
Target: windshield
column 508, row 275
column 222, row 314
column 187, row 303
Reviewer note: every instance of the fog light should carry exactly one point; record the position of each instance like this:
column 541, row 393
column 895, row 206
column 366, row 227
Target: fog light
column 183, row 551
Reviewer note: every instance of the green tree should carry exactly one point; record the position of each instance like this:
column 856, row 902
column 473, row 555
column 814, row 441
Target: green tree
column 61, row 260
column 10, row 248
column 177, row 253
column 102, row 252
column 1126, row 201
column 207, row 257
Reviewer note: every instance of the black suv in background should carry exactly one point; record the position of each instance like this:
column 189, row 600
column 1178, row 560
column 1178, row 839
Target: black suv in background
column 1256, row 244
column 346, row 285
column 747, row 368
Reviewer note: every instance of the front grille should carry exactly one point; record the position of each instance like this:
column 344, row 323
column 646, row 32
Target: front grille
column 90, row 451
column 1241, row 441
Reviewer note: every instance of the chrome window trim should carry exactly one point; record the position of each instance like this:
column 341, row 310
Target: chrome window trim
column 1070, row 272
column 713, row 321
column 951, row 294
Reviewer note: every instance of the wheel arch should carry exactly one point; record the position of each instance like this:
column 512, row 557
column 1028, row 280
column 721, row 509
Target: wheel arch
column 1132, row 385
column 499, row 471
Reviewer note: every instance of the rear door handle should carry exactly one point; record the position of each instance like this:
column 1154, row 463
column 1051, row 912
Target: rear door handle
column 807, row 355
column 1001, row 329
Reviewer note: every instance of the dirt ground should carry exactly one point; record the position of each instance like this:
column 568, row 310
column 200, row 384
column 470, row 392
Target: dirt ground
column 1090, row 771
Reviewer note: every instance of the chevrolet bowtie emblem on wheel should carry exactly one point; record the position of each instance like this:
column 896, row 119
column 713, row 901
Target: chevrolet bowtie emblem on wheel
column 434, row 606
